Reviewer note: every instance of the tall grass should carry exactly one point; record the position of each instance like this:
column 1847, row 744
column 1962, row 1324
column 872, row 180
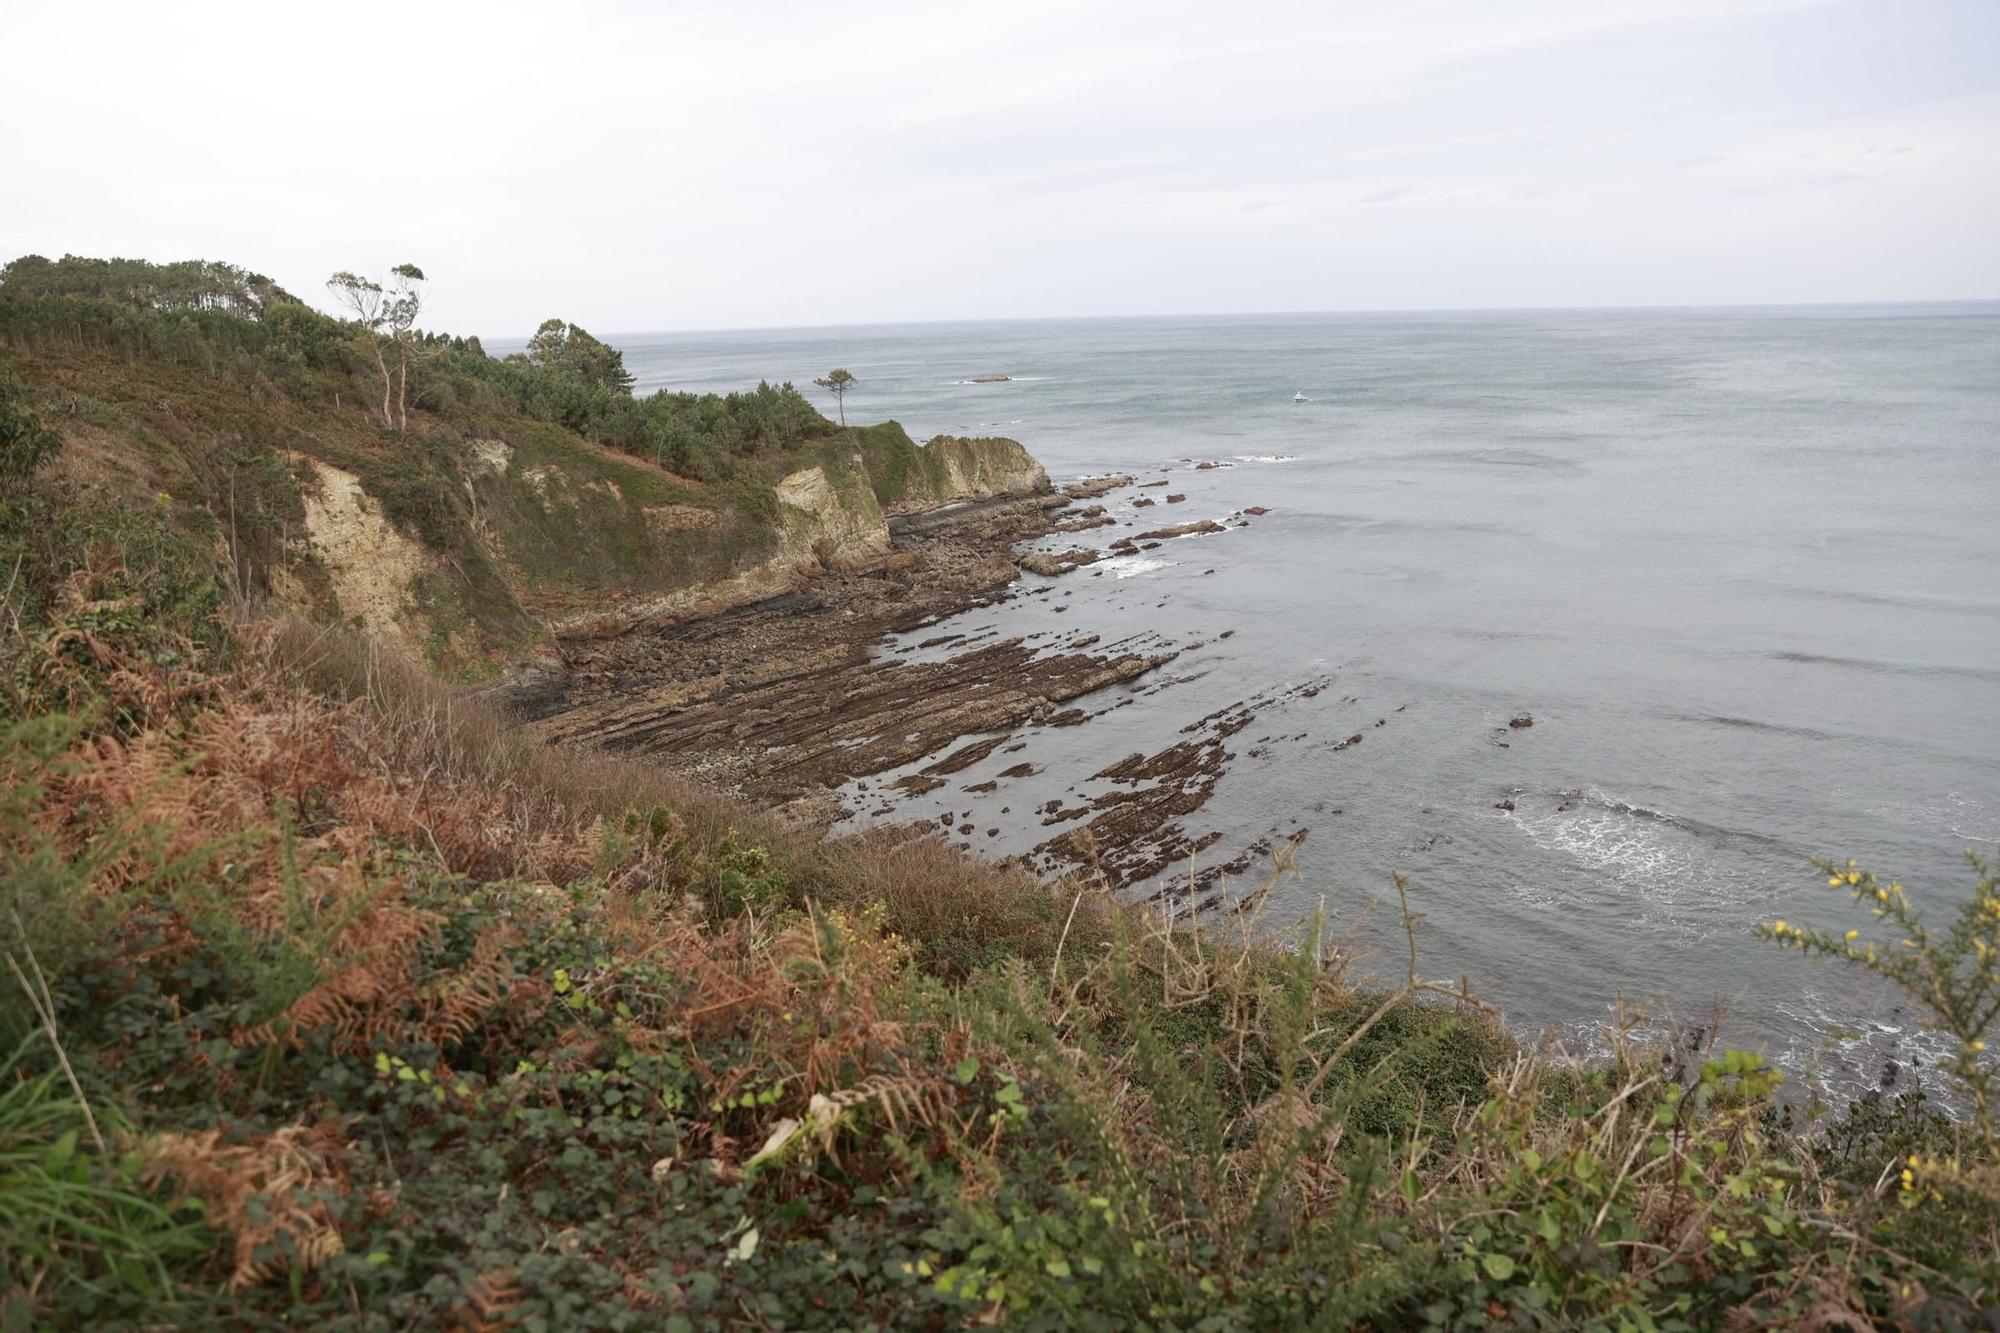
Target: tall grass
column 81, row 1230
column 442, row 1025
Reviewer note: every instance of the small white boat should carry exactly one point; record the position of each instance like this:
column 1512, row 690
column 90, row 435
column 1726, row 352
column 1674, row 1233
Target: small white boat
column 1300, row 398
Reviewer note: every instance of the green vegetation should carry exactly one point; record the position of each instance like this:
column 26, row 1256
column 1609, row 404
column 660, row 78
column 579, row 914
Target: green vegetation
column 837, row 383
column 26, row 442
column 386, row 317
column 238, row 326
column 570, row 351
column 193, row 284
column 203, row 396
column 330, row 999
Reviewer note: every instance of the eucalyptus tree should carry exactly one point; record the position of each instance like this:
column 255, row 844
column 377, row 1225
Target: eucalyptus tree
column 388, row 319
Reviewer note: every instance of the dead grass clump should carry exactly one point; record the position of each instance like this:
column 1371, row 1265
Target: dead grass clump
column 465, row 739
column 961, row 913
column 965, row 913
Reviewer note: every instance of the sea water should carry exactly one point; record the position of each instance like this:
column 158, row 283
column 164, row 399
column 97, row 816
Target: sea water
column 1741, row 566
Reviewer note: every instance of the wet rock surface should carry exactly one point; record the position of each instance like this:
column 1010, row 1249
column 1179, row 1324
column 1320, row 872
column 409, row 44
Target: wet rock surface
column 1180, row 530
column 788, row 697
column 833, row 704
column 1136, row 830
column 1092, row 487
column 1050, row 564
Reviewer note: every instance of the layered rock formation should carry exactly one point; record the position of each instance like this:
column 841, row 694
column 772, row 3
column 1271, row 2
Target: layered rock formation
column 784, row 697
column 910, row 478
column 834, row 516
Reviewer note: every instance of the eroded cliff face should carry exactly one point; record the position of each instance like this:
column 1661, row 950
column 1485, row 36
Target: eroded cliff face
column 951, row 469
column 831, row 515
column 585, row 548
column 829, row 520
column 370, row 564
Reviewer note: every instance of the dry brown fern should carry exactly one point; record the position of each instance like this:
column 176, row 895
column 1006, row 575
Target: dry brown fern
column 493, row 1300
column 903, row 1099
column 258, row 1192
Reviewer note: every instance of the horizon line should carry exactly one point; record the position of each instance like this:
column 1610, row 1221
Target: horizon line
column 1291, row 314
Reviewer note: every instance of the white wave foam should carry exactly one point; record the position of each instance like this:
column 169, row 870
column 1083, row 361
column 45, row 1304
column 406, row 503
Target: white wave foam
column 1265, row 458
column 1125, row 566
column 1662, row 869
column 1956, row 814
column 1604, row 840
column 1842, row 1049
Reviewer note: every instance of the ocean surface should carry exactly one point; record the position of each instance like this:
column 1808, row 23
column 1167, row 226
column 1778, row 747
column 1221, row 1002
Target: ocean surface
column 1742, row 566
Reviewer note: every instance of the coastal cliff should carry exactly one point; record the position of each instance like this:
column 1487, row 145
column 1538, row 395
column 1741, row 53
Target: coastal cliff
column 833, row 517
column 483, row 534
column 909, row 478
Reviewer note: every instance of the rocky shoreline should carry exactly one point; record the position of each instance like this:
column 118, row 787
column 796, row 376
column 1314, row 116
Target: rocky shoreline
column 789, row 699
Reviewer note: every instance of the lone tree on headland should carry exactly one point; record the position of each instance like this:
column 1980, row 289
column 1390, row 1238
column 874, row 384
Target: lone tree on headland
column 387, row 317
column 837, row 383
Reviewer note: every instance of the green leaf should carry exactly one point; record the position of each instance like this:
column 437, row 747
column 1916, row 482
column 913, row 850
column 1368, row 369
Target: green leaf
column 1499, row 1267
column 59, row 1153
column 966, row 1070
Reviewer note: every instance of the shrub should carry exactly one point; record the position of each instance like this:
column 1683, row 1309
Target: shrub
column 27, row 444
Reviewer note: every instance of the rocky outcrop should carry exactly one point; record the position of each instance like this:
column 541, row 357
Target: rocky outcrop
column 1092, row 487
column 1180, row 530
column 835, row 519
column 793, row 696
column 369, row 562
column 1052, row 563
column 950, row 469
column 829, row 520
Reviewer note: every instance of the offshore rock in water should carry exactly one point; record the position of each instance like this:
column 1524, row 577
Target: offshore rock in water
column 1050, row 564
column 1181, row 530
column 1092, row 487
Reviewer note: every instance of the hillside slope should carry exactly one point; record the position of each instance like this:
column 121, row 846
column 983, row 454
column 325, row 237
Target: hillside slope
column 465, row 535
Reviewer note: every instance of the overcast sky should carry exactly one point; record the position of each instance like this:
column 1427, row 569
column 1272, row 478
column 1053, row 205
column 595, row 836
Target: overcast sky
column 661, row 166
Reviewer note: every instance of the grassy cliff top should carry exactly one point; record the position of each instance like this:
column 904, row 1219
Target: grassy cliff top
column 529, row 488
